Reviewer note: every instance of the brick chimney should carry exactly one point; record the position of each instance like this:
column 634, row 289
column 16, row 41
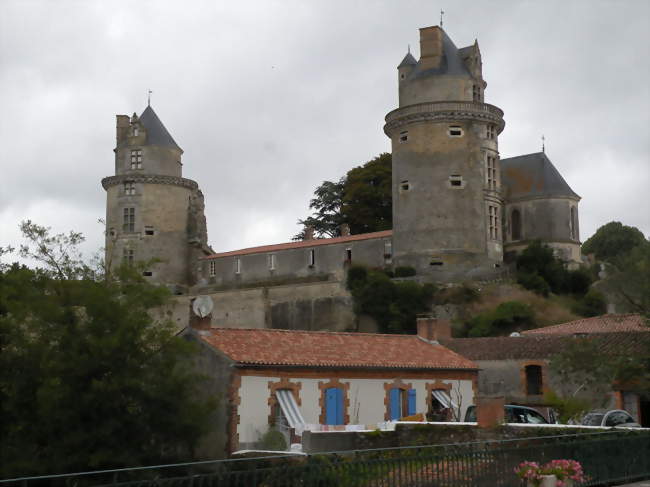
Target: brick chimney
column 490, row 411
column 344, row 229
column 431, row 328
column 309, row 233
column 430, row 47
column 122, row 128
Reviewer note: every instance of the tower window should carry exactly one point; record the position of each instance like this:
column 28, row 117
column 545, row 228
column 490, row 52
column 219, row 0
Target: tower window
column 515, row 225
column 237, row 265
column 455, row 131
column 493, row 223
column 574, row 224
column 388, row 252
column 312, row 257
column 129, row 188
column 403, row 136
column 404, row 185
column 491, row 131
column 476, row 93
column 271, row 261
column 213, row 268
column 348, row 255
column 491, row 172
column 128, row 222
column 136, row 159
column 136, row 130
column 456, row 181
column 148, row 230
column 147, row 273
column 128, row 256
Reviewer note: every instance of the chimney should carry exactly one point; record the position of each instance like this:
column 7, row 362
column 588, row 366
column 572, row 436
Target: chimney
column 309, row 233
column 122, row 128
column 431, row 328
column 430, row 47
column 344, row 228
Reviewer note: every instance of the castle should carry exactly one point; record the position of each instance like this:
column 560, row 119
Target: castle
column 459, row 211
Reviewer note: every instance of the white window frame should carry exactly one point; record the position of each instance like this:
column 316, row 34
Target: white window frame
column 128, row 219
column 271, row 262
column 493, row 222
column 237, row 265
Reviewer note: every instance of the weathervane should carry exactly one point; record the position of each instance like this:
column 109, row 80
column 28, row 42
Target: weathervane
column 149, row 98
column 543, row 139
column 441, row 14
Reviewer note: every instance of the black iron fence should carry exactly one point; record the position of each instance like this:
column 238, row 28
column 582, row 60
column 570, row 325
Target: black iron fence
column 608, row 459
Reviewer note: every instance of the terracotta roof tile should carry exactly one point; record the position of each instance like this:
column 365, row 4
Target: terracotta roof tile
column 597, row 324
column 544, row 346
column 302, row 243
column 331, row 349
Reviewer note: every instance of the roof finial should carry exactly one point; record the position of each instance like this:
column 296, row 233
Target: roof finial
column 543, row 139
column 149, row 98
column 441, row 14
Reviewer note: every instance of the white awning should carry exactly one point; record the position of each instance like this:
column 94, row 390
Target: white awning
column 443, row 398
column 289, row 408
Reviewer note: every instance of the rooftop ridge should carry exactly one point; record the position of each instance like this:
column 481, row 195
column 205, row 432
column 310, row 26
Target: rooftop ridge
column 324, row 332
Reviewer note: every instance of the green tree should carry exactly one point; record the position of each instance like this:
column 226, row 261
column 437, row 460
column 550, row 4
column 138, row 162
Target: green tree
column 362, row 199
column 613, row 240
column 88, row 379
column 502, row 320
column 630, row 280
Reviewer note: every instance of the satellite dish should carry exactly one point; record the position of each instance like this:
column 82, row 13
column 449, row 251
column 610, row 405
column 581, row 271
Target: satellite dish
column 202, row 306
column 515, row 334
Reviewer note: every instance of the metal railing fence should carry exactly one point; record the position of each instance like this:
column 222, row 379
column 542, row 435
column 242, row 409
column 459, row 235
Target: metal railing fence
column 606, row 458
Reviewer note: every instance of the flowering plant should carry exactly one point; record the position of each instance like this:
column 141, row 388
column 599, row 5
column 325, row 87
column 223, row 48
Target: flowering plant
column 562, row 469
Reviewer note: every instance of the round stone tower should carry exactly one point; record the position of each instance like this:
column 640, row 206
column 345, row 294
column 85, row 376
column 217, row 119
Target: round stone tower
column 447, row 204
column 152, row 212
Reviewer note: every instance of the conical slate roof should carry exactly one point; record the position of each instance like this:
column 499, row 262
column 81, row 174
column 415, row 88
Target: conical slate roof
column 533, row 175
column 157, row 134
column 407, row 61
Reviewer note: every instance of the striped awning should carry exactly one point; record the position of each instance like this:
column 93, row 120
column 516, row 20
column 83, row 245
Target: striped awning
column 443, row 398
column 289, row 408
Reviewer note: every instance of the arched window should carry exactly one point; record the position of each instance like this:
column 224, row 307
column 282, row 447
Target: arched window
column 573, row 223
column 533, row 380
column 515, row 225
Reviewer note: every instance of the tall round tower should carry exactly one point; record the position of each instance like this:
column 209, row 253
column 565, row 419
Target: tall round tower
column 447, row 201
column 152, row 212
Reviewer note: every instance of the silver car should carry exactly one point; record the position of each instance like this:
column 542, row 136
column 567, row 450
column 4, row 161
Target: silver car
column 608, row 419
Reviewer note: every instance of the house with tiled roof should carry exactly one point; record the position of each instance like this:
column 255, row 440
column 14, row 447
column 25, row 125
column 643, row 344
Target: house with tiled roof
column 518, row 366
column 295, row 380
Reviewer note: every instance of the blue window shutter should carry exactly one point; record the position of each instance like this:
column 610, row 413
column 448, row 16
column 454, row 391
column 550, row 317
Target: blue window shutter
column 395, row 404
column 333, row 406
column 411, row 402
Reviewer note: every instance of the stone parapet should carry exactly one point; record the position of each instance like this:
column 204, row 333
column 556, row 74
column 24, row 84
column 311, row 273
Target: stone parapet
column 444, row 111
column 148, row 179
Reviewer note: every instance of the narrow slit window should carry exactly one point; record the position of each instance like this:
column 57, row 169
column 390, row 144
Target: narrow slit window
column 147, row 273
column 455, row 131
column 476, row 93
column 136, row 159
column 404, row 185
column 148, row 231
column 312, row 257
column 348, row 255
column 403, row 136
column 271, row 261
column 237, row 265
column 213, row 268
column 456, row 181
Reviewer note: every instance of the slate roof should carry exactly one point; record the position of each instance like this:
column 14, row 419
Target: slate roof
column 597, row 324
column 451, row 63
column 533, row 175
column 302, row 243
column 544, row 346
column 157, row 134
column 407, row 61
column 271, row 347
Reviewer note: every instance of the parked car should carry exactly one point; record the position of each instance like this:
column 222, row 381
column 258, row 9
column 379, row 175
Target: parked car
column 513, row 414
column 607, row 419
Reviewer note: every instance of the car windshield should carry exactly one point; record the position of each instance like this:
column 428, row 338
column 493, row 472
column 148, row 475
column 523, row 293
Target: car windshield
column 616, row 418
column 523, row 415
column 593, row 419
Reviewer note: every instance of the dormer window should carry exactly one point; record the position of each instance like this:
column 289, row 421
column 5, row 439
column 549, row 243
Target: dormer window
column 136, row 131
column 455, row 131
column 136, row 159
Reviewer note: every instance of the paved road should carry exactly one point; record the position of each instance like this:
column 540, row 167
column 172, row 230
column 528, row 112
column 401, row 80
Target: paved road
column 643, row 483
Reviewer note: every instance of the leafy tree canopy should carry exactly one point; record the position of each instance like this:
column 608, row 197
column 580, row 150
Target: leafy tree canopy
column 88, row 379
column 613, row 240
column 362, row 199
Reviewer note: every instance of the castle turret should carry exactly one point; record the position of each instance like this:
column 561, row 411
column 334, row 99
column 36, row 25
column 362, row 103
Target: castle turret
column 152, row 212
column 447, row 201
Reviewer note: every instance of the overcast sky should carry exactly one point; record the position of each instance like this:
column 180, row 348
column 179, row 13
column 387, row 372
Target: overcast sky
column 270, row 98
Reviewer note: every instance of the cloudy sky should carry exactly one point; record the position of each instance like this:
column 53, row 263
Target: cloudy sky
column 270, row 98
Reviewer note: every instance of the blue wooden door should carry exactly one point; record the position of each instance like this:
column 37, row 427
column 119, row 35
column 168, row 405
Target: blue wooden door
column 411, row 402
column 395, row 403
column 333, row 406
